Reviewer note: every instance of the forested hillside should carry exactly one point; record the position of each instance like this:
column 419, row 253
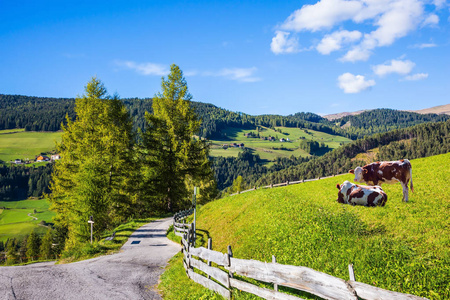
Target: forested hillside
column 46, row 114
column 20, row 182
column 34, row 113
column 384, row 120
column 414, row 142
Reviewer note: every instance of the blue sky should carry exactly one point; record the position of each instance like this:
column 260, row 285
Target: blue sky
column 257, row 57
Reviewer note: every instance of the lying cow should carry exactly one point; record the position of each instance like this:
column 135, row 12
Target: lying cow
column 378, row 173
column 354, row 194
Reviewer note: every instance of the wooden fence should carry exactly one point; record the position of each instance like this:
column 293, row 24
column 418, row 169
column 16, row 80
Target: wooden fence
column 221, row 277
column 283, row 184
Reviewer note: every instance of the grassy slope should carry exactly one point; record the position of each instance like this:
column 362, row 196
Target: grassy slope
column 403, row 247
column 20, row 144
column 15, row 222
column 265, row 148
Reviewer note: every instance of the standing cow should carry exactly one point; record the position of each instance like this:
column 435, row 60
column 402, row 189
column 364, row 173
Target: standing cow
column 354, row 194
column 378, row 173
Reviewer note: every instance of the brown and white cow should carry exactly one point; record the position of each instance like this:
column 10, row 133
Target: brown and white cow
column 354, row 194
column 378, row 173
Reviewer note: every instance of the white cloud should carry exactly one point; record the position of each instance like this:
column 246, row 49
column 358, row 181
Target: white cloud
column 392, row 19
column 402, row 67
column 334, row 41
column 282, row 43
column 439, row 3
column 322, row 15
column 425, row 45
column 431, row 20
column 418, row 76
column 358, row 53
column 145, row 68
column 239, row 74
column 352, row 84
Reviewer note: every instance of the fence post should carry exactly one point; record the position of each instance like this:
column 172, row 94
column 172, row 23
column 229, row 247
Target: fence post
column 275, row 286
column 271, row 185
column 229, row 256
column 209, row 248
column 351, row 272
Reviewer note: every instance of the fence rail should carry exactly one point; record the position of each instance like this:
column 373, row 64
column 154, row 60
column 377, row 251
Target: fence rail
column 283, row 184
column 220, row 278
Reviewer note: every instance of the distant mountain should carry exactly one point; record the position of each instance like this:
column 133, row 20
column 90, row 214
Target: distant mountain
column 332, row 117
column 441, row 109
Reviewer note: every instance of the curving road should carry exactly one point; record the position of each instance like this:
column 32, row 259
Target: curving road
column 132, row 273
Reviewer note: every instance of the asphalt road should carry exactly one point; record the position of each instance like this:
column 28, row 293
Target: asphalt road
column 132, row 273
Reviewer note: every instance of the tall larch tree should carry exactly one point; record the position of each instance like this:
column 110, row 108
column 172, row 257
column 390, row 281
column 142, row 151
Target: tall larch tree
column 92, row 178
column 173, row 157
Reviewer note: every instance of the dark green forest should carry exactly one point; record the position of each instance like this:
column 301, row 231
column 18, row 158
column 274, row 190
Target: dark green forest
column 384, row 120
column 20, row 182
column 47, row 114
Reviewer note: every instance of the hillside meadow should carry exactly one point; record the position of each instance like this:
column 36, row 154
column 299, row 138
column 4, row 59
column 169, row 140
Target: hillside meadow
column 20, row 144
column 270, row 150
column 16, row 217
column 403, row 247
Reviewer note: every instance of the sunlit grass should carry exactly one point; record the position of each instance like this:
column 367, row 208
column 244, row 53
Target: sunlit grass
column 403, row 247
column 19, row 144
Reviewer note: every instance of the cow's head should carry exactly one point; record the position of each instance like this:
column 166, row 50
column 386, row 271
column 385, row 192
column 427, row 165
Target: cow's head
column 358, row 171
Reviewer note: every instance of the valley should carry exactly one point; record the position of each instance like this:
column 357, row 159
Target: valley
column 258, row 142
column 20, row 218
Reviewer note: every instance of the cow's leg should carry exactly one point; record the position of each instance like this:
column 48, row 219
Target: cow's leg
column 405, row 192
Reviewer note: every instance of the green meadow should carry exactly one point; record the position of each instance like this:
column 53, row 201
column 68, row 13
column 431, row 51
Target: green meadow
column 16, row 217
column 20, row 144
column 403, row 247
column 270, row 150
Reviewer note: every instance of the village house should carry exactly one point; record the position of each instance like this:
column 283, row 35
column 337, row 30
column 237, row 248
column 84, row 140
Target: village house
column 55, row 157
column 42, row 158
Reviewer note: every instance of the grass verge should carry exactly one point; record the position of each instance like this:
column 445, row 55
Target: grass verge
column 102, row 247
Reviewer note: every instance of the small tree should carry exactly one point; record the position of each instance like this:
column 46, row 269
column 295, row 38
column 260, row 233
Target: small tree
column 238, row 185
column 46, row 245
column 33, row 244
column 11, row 251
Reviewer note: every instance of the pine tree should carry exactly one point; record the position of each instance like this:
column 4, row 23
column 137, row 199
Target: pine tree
column 173, row 159
column 92, row 178
column 33, row 244
column 11, row 252
column 46, row 245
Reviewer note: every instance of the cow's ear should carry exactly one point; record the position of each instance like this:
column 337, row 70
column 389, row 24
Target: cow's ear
column 338, row 186
column 352, row 171
column 365, row 171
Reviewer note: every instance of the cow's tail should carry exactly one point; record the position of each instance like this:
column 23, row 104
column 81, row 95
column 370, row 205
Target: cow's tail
column 410, row 175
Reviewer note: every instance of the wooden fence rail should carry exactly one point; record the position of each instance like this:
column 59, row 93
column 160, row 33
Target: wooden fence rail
column 283, row 184
column 220, row 278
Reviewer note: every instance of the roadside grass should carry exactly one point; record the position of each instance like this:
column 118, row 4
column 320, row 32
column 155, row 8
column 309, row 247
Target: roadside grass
column 403, row 247
column 14, row 219
column 20, row 144
column 102, row 247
